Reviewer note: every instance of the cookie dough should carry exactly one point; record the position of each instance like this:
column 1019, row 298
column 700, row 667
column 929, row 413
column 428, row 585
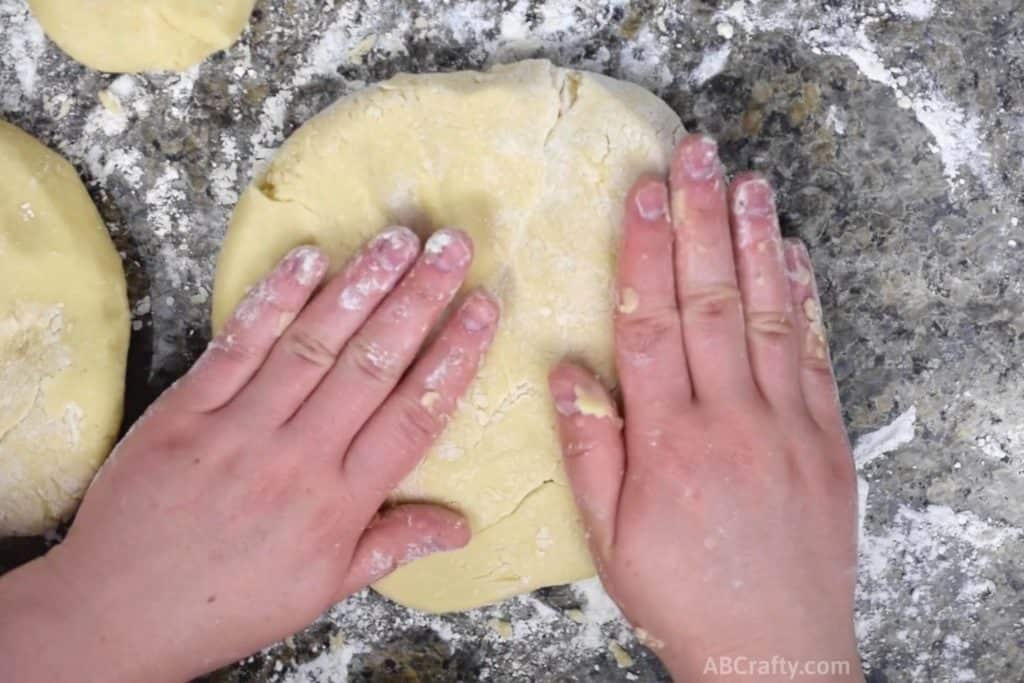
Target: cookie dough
column 64, row 328
column 534, row 162
column 131, row 36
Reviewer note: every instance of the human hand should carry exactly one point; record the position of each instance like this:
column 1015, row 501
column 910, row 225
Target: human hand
column 246, row 501
column 723, row 519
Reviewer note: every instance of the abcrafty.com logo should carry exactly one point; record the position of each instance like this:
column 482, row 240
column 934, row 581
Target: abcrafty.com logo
column 776, row 666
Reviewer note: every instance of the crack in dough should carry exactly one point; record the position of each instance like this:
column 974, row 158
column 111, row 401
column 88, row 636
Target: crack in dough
column 534, row 162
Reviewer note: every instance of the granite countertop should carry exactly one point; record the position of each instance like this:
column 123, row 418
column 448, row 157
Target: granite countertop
column 895, row 132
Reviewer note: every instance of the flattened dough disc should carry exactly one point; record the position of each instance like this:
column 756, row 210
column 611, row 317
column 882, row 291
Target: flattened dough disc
column 534, row 162
column 63, row 337
column 131, row 36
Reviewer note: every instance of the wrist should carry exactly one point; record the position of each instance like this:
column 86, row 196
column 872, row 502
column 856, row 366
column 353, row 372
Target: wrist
column 58, row 628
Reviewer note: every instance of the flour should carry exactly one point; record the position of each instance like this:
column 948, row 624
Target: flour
column 887, row 439
column 843, row 32
column 920, row 550
column 930, row 544
column 23, row 43
column 920, row 10
column 711, row 65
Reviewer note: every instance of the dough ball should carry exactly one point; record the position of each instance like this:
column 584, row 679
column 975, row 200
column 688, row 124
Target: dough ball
column 64, row 328
column 131, row 36
column 534, row 162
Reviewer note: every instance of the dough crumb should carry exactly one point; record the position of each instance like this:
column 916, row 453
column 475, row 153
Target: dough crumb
column 592, row 405
column 576, row 615
column 430, row 399
column 645, row 638
column 111, row 103
column 502, row 628
column 622, row 658
column 628, row 301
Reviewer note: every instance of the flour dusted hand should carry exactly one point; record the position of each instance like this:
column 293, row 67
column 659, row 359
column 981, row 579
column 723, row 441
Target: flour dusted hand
column 722, row 518
column 247, row 500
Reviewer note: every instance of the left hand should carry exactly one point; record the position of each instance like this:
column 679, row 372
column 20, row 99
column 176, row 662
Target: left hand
column 246, row 501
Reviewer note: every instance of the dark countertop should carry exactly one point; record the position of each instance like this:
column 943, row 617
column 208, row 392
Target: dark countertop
column 895, row 132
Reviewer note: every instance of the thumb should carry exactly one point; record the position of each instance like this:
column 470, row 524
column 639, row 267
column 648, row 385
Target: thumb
column 401, row 535
column 590, row 431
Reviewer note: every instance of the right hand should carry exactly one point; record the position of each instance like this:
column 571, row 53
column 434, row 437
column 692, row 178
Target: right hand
column 723, row 521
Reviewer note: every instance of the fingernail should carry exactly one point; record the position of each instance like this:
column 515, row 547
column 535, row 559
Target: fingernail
column 447, row 250
column 652, row 202
column 754, row 197
column 394, row 249
column 478, row 313
column 699, row 158
column 305, row 264
column 564, row 393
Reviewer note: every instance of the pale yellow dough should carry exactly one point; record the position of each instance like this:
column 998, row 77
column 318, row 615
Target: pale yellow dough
column 131, row 36
column 534, row 162
column 64, row 330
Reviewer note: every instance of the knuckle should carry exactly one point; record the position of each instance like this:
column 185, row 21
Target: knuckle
column 712, row 303
column 309, row 348
column 417, row 426
column 373, row 362
column 818, row 368
column 232, row 350
column 770, row 323
column 639, row 334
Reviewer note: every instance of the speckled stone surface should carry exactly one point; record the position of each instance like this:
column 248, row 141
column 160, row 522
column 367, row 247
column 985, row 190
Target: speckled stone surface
column 894, row 132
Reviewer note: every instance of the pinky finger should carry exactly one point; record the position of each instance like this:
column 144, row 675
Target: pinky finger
column 234, row 355
column 402, row 535
column 590, row 430
column 816, row 375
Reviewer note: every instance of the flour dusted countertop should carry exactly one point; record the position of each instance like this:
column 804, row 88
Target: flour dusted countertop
column 894, row 132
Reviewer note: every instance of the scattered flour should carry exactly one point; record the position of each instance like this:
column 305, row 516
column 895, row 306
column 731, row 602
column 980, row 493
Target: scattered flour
column 711, row 65
column 903, row 564
column 920, row 10
column 887, row 439
column 843, row 32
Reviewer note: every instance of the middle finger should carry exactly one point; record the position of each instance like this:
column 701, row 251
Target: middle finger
column 373, row 361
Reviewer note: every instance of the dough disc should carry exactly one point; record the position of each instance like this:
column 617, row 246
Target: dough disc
column 131, row 36
column 63, row 337
column 534, row 162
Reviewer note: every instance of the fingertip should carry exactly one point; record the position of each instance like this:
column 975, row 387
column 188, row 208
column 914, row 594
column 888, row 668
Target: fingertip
column 696, row 158
column 562, row 381
column 440, row 530
column 479, row 312
column 448, row 250
column 307, row 264
column 648, row 200
column 577, row 392
column 799, row 270
column 751, row 194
